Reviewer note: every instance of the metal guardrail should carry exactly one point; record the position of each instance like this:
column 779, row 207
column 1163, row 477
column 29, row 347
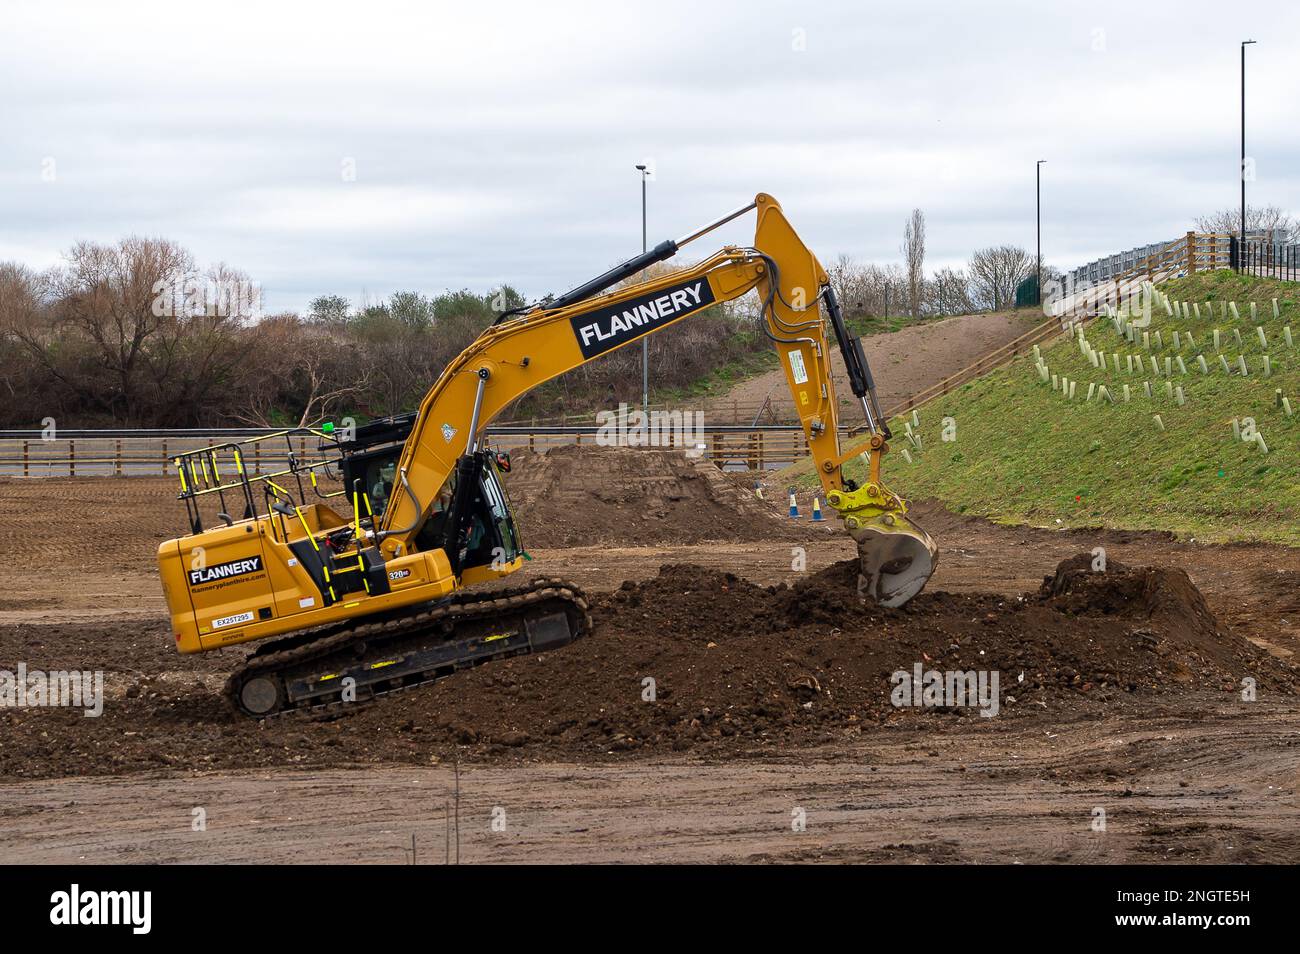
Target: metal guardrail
column 736, row 446
column 1267, row 259
column 145, row 452
column 125, row 452
column 718, row 408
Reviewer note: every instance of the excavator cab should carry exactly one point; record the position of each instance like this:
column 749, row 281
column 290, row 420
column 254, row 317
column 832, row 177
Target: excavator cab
column 477, row 531
column 376, row 475
column 472, row 521
column 368, row 461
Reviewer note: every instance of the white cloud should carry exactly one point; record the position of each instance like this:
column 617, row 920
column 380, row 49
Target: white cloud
column 495, row 142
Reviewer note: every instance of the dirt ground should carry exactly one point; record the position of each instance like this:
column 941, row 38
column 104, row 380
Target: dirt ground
column 585, row 495
column 1204, row 788
column 1120, row 693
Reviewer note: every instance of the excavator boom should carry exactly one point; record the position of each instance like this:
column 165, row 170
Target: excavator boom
column 436, row 520
column 515, row 356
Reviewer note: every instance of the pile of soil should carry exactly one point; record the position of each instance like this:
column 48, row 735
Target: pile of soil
column 737, row 670
column 584, row 495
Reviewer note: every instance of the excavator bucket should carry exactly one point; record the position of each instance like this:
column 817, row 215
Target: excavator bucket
column 897, row 556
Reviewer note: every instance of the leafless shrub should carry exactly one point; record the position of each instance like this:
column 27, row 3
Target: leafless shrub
column 995, row 272
column 1267, row 218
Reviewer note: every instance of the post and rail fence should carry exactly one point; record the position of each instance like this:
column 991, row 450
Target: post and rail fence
column 1119, row 277
column 735, row 446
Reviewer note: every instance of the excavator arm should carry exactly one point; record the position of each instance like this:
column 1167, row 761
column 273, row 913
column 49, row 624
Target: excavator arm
column 522, row 352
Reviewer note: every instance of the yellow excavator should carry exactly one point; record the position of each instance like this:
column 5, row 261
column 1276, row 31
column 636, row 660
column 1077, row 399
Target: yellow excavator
column 381, row 599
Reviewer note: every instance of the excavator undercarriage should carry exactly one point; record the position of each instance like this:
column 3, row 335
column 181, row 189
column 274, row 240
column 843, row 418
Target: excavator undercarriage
column 358, row 661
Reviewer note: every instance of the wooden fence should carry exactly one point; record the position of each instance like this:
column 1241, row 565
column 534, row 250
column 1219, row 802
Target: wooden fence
column 1185, row 255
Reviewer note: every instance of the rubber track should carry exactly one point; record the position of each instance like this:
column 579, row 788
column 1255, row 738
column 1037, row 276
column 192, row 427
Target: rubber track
column 302, row 647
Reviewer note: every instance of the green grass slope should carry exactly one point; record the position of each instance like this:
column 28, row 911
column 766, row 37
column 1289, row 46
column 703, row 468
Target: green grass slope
column 1025, row 453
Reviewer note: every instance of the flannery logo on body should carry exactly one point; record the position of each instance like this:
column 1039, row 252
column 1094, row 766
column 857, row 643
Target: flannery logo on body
column 607, row 328
column 223, row 571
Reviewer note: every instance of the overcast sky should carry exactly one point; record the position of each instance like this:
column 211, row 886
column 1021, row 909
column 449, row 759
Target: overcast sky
column 495, row 141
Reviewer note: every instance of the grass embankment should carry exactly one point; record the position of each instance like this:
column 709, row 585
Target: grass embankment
column 1024, row 453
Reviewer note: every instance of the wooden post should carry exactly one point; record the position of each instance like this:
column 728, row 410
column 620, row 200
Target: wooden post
column 118, row 462
column 72, row 458
column 26, row 458
column 164, row 457
column 1191, row 252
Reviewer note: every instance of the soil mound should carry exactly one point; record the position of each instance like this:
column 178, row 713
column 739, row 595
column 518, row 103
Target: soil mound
column 1164, row 596
column 584, row 495
column 699, row 661
column 738, row 667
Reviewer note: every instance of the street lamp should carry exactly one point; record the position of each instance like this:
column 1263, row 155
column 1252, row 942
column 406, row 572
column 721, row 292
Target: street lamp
column 1244, row 44
column 645, row 343
column 1038, row 215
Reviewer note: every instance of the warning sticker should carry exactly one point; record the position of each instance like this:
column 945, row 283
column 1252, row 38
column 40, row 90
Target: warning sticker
column 797, row 366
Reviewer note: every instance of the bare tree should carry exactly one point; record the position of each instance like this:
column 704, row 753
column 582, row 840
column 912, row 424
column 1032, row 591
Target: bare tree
column 847, row 281
column 24, row 333
column 914, row 260
column 1267, row 218
column 131, row 333
column 110, row 294
column 199, row 360
column 950, row 292
column 866, row 290
column 995, row 272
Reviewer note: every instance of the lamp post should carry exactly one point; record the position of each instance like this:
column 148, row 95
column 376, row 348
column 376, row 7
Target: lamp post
column 1244, row 44
column 645, row 342
column 1038, row 215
